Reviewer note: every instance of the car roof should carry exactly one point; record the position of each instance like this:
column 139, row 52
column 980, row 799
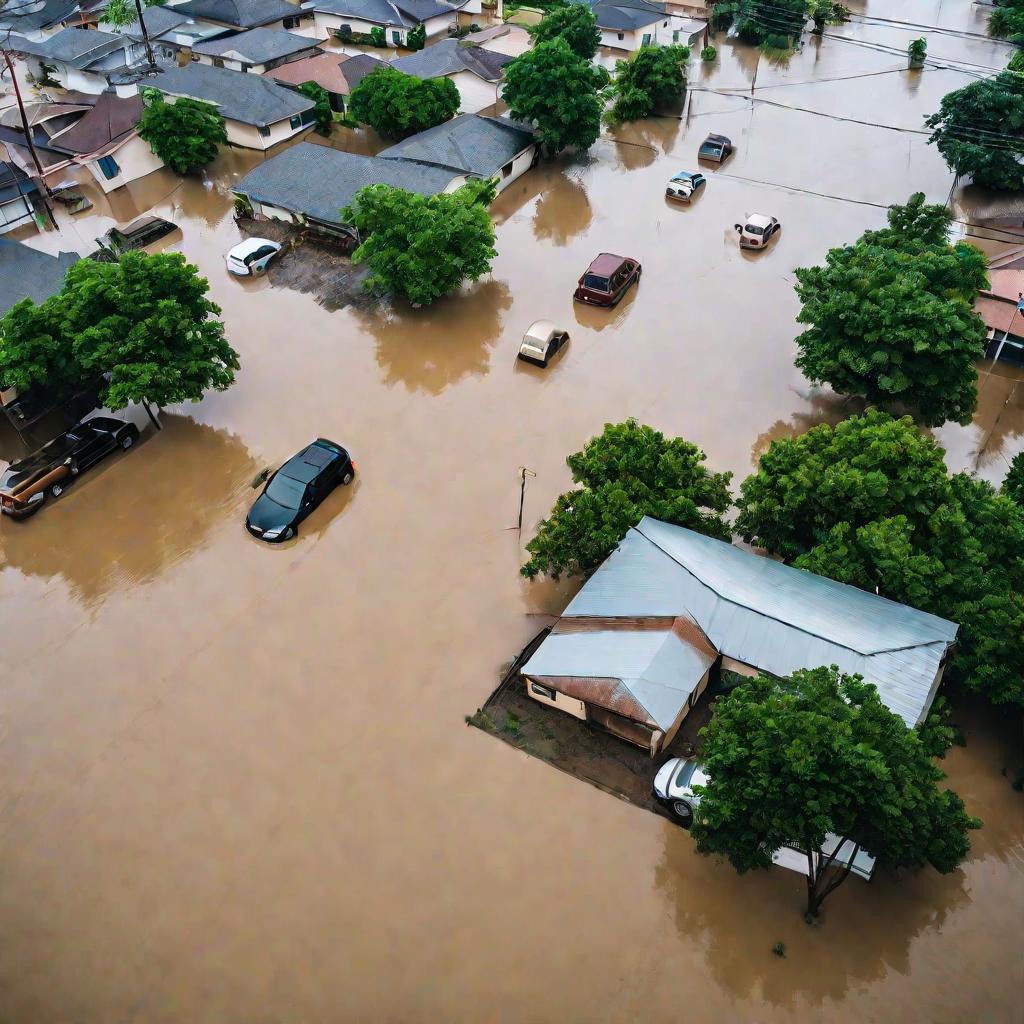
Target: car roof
column 249, row 245
column 141, row 222
column 759, row 220
column 540, row 330
column 606, row 264
column 107, row 422
column 720, row 139
column 686, row 176
column 307, row 465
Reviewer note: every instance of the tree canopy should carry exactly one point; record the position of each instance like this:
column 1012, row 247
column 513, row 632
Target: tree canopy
column 185, row 134
column 1013, row 485
column 623, row 474
column 122, row 13
column 869, row 502
column 324, row 116
column 144, row 321
column 576, row 24
column 979, row 130
column 791, row 761
column 397, row 105
column 555, row 90
column 1007, row 20
column 892, row 317
column 423, row 247
column 655, row 75
column 775, row 22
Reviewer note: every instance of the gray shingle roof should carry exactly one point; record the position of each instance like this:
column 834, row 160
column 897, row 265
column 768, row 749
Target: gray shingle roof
column 240, row 13
column 627, row 16
column 451, row 56
column 318, row 181
column 249, row 99
column 469, row 143
column 406, row 13
column 13, row 14
column 769, row 615
column 256, row 45
column 76, row 47
column 27, row 273
column 159, row 20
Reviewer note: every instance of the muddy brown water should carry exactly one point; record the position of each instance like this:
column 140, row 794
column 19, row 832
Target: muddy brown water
column 236, row 783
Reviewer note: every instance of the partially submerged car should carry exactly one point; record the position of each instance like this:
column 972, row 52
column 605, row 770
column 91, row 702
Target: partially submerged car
column 674, row 788
column 685, row 185
column 136, row 235
column 297, row 488
column 542, row 341
column 25, row 485
column 252, row 257
column 607, row 280
column 757, row 231
column 715, row 148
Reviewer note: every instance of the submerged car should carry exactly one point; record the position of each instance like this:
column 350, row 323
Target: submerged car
column 674, row 787
column 252, row 257
column 542, row 341
column 685, row 185
column 715, row 148
column 607, row 280
column 757, row 231
column 25, row 485
column 137, row 235
column 297, row 488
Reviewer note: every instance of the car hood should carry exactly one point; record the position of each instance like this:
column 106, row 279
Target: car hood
column 266, row 514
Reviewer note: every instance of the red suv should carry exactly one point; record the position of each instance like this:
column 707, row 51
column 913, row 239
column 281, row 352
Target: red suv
column 607, row 279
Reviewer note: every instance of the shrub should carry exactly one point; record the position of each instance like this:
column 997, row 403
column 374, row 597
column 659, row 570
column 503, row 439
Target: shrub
column 708, row 54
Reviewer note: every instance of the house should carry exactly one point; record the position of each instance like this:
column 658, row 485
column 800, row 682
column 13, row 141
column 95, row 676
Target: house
column 337, row 73
column 88, row 61
column 35, row 20
column 670, row 608
column 17, row 192
column 476, row 71
column 473, row 146
column 239, row 15
column 395, row 17
column 1001, row 306
column 628, row 26
column 27, row 273
column 256, row 50
column 169, row 27
column 258, row 113
column 310, row 184
column 983, row 208
column 512, row 40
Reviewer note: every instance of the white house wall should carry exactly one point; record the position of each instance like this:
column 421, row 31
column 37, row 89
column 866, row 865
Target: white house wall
column 660, row 33
column 134, row 159
column 248, row 136
column 520, row 165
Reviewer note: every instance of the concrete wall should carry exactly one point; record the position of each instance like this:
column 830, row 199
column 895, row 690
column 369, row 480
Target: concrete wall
column 519, row 166
column 249, row 137
column 660, row 33
column 135, row 160
column 570, row 705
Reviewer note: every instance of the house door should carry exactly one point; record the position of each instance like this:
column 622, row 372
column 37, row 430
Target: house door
column 646, row 39
column 396, row 38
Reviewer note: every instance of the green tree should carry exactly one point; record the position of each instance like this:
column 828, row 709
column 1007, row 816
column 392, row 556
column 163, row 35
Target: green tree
column 1017, row 63
column 791, row 761
column 322, row 111
column 1013, row 485
column 623, row 474
column 654, row 76
column 1007, row 20
column 416, row 37
column 397, row 105
column 185, row 134
column 979, row 130
column 144, row 323
column 122, row 13
column 553, row 89
column 869, row 502
column 776, row 22
column 423, row 247
column 892, row 317
column 576, row 23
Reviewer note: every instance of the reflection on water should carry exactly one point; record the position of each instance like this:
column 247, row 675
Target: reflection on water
column 563, row 211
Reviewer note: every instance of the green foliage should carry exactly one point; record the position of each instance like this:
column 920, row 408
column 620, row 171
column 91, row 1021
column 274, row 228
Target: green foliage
column 979, row 130
column 779, row 21
column 1013, row 485
column 377, row 36
column 1017, row 63
column 936, row 733
column 892, row 317
column 790, row 761
column 576, row 23
column 869, row 502
column 625, row 473
column 423, row 247
column 917, row 50
column 145, row 321
column 708, row 54
column 555, row 90
column 397, row 105
column 185, row 134
column 1007, row 20
column 121, row 13
column 653, row 77
column 416, row 37
column 322, row 111
column 723, row 13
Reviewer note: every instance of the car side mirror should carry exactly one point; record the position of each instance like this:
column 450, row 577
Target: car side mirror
column 739, row 227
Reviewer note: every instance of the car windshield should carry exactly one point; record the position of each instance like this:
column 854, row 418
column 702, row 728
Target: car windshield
column 710, row 149
column 753, row 229
column 595, row 283
column 286, row 491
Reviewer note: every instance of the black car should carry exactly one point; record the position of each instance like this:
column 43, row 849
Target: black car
column 25, row 485
column 297, row 488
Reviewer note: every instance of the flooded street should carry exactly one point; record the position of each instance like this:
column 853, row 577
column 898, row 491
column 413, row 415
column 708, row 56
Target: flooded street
column 235, row 781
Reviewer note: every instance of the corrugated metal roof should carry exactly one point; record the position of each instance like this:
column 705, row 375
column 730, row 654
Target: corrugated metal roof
column 769, row 615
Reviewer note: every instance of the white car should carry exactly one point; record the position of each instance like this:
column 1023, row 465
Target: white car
column 757, row 231
column 252, row 256
column 685, row 185
column 541, row 342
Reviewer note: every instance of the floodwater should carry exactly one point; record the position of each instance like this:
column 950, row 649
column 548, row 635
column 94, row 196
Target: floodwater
column 236, row 783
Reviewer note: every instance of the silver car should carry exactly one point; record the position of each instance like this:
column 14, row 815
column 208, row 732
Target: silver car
column 541, row 342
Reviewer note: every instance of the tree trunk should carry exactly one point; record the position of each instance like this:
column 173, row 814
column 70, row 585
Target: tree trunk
column 145, row 37
column 149, row 413
column 817, row 888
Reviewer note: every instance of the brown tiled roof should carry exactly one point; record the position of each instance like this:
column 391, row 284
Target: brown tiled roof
column 111, row 121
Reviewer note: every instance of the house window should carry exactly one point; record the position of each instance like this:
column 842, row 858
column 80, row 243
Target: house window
column 218, row 62
column 297, row 120
column 664, row 24
column 543, row 691
column 290, row 22
column 396, row 38
column 264, row 131
column 108, row 165
column 621, row 36
column 647, row 39
column 507, row 169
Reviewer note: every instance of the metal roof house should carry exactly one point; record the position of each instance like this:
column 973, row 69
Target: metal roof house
column 395, row 17
column 637, row 645
column 238, row 15
column 476, row 71
column 630, row 24
column 256, row 50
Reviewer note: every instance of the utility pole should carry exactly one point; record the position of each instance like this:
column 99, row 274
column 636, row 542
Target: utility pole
column 524, row 472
